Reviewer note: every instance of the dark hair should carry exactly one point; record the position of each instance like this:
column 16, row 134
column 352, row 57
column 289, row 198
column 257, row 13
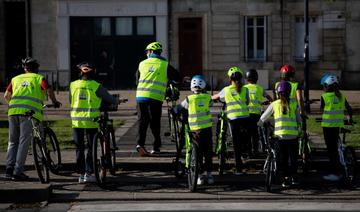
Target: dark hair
column 237, row 77
column 334, row 88
column 158, row 52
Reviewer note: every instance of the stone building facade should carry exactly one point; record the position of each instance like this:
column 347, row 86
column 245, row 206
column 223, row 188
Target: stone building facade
column 199, row 37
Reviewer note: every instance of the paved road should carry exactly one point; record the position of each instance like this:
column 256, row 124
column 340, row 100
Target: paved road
column 151, row 179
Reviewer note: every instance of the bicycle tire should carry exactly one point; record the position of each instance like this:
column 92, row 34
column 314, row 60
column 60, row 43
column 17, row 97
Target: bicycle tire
column 175, row 132
column 99, row 159
column 194, row 168
column 179, row 167
column 221, row 136
column 40, row 162
column 53, row 150
column 305, row 157
column 113, row 149
column 350, row 168
column 269, row 172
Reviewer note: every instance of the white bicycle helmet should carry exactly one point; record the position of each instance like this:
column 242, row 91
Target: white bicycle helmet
column 197, row 83
column 331, row 80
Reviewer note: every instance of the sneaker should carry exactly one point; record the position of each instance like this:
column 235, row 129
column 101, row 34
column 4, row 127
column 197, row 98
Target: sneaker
column 141, row 150
column 332, row 177
column 20, row 177
column 9, row 173
column 200, row 180
column 155, row 151
column 89, row 178
column 238, row 172
column 210, row 179
column 294, row 181
column 82, row 179
column 286, row 183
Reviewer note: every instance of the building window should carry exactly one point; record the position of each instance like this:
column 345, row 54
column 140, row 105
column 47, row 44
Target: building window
column 102, row 26
column 124, row 26
column 145, row 26
column 314, row 38
column 255, row 38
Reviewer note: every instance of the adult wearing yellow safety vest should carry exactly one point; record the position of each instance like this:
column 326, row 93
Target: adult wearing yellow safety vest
column 236, row 97
column 86, row 96
column 152, row 79
column 25, row 92
column 287, row 73
column 200, row 123
column 333, row 105
column 256, row 95
column 287, row 125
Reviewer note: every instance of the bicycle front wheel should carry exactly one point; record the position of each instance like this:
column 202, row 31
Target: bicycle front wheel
column 194, row 168
column 99, row 159
column 53, row 153
column 270, row 165
column 40, row 160
column 350, row 165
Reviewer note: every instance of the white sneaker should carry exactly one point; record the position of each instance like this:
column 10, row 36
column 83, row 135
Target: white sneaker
column 82, row 179
column 332, row 177
column 200, row 180
column 210, row 179
column 89, row 178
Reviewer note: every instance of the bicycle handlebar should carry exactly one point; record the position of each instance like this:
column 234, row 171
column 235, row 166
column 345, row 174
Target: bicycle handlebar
column 346, row 121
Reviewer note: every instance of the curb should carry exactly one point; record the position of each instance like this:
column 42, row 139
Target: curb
column 16, row 192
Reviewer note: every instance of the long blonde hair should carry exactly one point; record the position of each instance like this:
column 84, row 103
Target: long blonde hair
column 284, row 102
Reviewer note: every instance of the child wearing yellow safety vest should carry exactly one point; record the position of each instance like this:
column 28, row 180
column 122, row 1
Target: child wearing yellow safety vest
column 86, row 96
column 333, row 104
column 286, row 130
column 236, row 97
column 256, row 95
column 200, row 123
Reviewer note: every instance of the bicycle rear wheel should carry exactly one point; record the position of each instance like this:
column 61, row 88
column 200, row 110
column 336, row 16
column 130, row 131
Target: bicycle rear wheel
column 269, row 169
column 350, row 165
column 99, row 159
column 113, row 149
column 194, row 168
column 53, row 150
column 40, row 160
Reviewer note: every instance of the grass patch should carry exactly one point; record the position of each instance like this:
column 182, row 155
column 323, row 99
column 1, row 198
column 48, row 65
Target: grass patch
column 352, row 139
column 61, row 127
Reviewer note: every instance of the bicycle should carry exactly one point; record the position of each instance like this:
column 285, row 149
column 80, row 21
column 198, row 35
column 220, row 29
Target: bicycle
column 104, row 144
column 347, row 155
column 175, row 128
column 304, row 144
column 271, row 165
column 45, row 148
column 223, row 132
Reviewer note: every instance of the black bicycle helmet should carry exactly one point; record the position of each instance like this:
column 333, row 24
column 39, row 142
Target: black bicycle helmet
column 252, row 75
column 30, row 63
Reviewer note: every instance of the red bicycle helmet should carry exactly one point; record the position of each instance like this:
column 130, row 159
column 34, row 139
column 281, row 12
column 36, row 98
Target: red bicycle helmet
column 287, row 71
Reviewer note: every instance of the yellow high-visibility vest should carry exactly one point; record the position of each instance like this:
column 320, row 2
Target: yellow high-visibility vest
column 27, row 95
column 85, row 105
column 199, row 111
column 153, row 79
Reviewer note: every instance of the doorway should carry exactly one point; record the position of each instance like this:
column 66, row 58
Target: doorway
column 190, row 46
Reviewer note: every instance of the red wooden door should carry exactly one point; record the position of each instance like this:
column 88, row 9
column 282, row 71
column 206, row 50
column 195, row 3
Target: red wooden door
column 190, row 46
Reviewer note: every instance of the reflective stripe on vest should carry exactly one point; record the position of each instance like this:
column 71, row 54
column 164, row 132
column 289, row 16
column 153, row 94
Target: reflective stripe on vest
column 199, row 111
column 153, row 79
column 256, row 97
column 285, row 124
column 294, row 87
column 333, row 115
column 236, row 103
column 84, row 104
column 27, row 95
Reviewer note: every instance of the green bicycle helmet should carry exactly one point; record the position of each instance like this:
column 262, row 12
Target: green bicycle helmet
column 234, row 70
column 155, row 46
